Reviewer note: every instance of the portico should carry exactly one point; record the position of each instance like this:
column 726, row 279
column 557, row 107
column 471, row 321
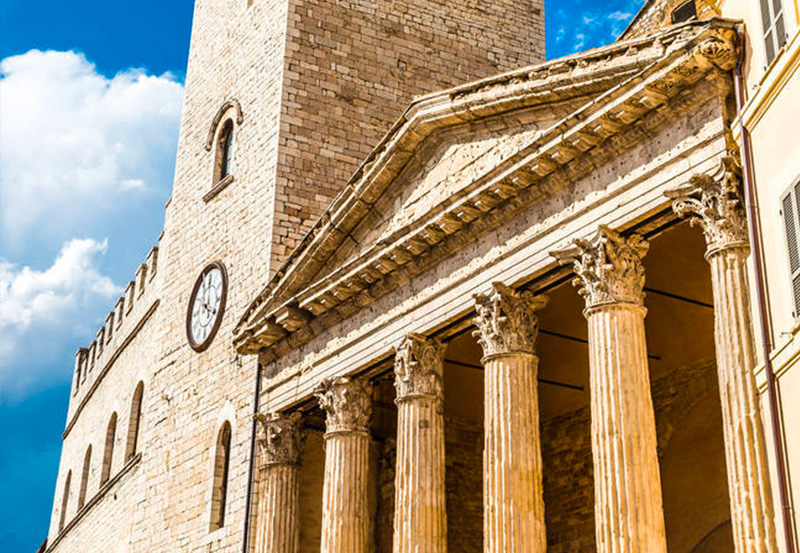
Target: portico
column 449, row 378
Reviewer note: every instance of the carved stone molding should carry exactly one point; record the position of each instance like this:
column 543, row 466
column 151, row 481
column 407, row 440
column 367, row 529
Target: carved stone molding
column 347, row 403
column 715, row 203
column 237, row 115
column 719, row 49
column 280, row 438
column 507, row 321
column 609, row 267
column 418, row 367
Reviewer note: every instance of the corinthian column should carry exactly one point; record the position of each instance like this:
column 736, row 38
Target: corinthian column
column 420, row 515
column 629, row 515
column 513, row 505
column 346, row 518
column 715, row 203
column 279, row 441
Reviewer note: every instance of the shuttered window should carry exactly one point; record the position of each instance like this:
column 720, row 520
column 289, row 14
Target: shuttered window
column 790, row 210
column 774, row 27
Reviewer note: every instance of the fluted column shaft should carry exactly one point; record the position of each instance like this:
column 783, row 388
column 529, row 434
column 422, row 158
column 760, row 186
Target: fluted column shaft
column 278, row 529
column 277, row 515
column 513, row 512
column 745, row 448
column 629, row 514
column 346, row 519
column 512, row 460
column 714, row 202
column 420, row 516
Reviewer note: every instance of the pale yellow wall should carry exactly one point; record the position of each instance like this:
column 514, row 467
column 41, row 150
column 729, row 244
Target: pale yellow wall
column 772, row 115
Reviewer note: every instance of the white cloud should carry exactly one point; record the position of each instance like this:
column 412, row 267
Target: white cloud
column 39, row 309
column 77, row 146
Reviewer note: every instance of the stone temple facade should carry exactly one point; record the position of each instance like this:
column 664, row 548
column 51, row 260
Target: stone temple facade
column 420, row 291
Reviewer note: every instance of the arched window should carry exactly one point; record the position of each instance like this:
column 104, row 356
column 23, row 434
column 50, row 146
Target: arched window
column 64, row 502
column 87, row 463
column 224, row 156
column 219, row 492
column 108, row 455
column 134, row 421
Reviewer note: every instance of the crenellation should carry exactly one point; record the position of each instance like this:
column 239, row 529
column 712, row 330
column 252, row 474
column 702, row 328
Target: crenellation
column 119, row 310
column 141, row 278
column 131, row 310
column 109, row 327
column 130, row 294
column 152, row 262
column 100, row 339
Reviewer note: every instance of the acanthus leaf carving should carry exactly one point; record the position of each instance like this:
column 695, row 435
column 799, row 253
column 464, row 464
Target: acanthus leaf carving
column 609, row 267
column 715, row 203
column 347, row 403
column 280, row 438
column 507, row 320
column 419, row 367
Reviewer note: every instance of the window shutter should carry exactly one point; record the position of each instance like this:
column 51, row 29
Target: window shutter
column 790, row 207
column 773, row 26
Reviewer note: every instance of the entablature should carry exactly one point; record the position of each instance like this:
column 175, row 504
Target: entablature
column 303, row 300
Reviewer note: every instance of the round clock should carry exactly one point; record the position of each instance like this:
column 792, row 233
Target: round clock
column 206, row 306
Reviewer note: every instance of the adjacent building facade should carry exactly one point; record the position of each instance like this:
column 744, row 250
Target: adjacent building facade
column 552, row 308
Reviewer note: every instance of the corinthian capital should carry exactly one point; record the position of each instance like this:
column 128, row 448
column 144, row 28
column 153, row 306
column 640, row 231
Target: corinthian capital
column 347, row 403
column 609, row 267
column 507, row 321
column 418, row 367
column 715, row 203
column 280, row 438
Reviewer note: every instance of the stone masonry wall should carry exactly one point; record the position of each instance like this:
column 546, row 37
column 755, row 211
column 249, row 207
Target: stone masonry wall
column 657, row 14
column 351, row 70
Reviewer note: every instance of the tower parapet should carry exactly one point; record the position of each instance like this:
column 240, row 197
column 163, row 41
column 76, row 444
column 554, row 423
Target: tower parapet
column 130, row 312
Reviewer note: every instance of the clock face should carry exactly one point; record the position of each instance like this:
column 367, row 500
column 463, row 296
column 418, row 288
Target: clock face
column 206, row 306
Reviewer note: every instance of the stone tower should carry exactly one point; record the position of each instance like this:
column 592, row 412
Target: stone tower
column 284, row 100
column 310, row 87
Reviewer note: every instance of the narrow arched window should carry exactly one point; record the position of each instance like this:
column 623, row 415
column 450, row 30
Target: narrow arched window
column 134, row 422
column 108, row 455
column 64, row 502
column 224, row 151
column 219, row 492
column 87, row 463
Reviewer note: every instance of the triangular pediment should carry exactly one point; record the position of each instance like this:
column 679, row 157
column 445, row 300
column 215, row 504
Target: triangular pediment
column 457, row 158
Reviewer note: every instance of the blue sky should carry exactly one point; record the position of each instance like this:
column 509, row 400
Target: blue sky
column 92, row 94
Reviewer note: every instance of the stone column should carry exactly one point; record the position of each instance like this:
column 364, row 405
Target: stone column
column 513, row 505
column 278, row 525
column 346, row 516
column 629, row 514
column 420, row 515
column 715, row 203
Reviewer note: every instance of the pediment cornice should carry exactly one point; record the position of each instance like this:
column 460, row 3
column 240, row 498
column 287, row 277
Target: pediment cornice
column 625, row 82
